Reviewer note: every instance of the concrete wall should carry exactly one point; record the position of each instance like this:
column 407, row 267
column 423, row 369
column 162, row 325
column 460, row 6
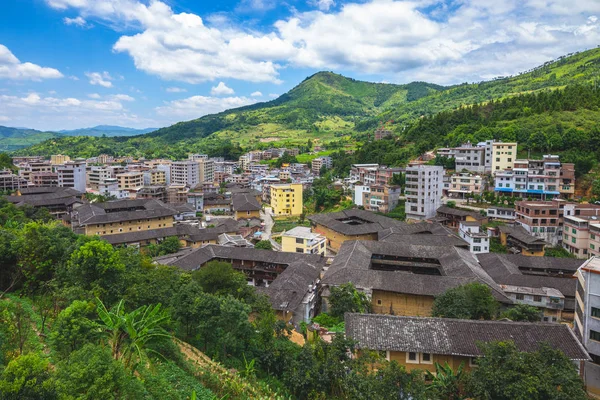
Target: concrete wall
column 129, row 226
column 409, row 305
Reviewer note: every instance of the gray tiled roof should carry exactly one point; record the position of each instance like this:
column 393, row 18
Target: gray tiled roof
column 373, row 223
column 459, row 213
column 456, row 337
column 245, row 202
column 519, row 233
column 97, row 213
column 288, row 290
column 456, row 265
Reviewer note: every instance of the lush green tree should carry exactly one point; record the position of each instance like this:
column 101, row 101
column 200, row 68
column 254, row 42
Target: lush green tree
column 345, row 298
column 168, row 246
column 15, row 329
column 97, row 267
column 559, row 252
column 185, row 308
column 131, row 335
column 523, row 312
column 446, row 383
column 73, row 327
column 264, row 245
column 505, row 373
column 218, row 277
column 470, row 301
column 91, row 373
column 152, row 284
column 27, row 377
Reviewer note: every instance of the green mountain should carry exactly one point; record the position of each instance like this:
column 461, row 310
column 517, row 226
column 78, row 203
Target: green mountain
column 106, row 130
column 12, row 139
column 333, row 110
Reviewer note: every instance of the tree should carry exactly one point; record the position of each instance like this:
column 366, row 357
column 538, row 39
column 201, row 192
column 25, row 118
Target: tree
column 505, row 373
column 91, row 373
column 218, row 277
column 185, row 309
column 523, row 312
column 345, row 298
column 451, row 204
column 131, row 335
column 168, row 246
column 27, row 377
column 470, row 301
column 73, row 327
column 264, row 245
column 97, row 267
column 447, row 384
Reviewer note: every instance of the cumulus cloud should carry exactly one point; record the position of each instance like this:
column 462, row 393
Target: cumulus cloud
column 402, row 40
column 221, row 89
column 121, row 97
column 100, row 78
column 174, row 89
column 197, row 106
column 94, row 96
column 53, row 113
column 78, row 21
column 12, row 68
column 256, row 94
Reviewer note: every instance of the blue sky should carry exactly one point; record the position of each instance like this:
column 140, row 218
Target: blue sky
column 68, row 64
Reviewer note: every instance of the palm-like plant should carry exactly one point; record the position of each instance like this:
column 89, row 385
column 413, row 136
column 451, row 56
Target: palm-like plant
column 446, row 383
column 129, row 334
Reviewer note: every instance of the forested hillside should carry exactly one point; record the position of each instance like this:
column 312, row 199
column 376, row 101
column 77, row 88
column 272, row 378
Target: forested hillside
column 333, row 110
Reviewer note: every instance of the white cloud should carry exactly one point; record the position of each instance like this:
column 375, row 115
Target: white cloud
column 100, row 78
column 78, row 21
column 53, row 113
column 197, row 106
column 174, row 89
column 256, row 94
column 121, row 97
column 94, row 96
column 221, row 89
column 323, row 5
column 12, row 68
column 273, row 95
column 4, row 118
column 445, row 42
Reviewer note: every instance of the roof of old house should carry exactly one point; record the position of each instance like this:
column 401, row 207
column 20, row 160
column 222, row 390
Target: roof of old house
column 431, row 234
column 355, row 222
column 504, row 269
column 445, row 210
column 49, row 189
column 128, row 210
column 519, row 233
column 245, row 202
column 456, row 337
column 457, row 266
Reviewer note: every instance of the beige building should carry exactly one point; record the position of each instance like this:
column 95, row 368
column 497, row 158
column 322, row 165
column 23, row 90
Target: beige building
column 131, row 181
column 301, row 240
column 206, row 170
column 465, row 184
column 286, row 199
column 503, row 156
column 58, row 159
column 155, row 177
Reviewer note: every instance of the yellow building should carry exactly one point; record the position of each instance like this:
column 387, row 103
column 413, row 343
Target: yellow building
column 155, row 177
column 286, row 199
column 503, row 156
column 131, row 181
column 59, row 159
column 301, row 240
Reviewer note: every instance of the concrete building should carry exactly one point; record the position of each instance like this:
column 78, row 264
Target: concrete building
column 26, row 169
column 72, row 174
column 423, row 191
column 463, row 184
column 503, row 156
column 587, row 320
column 58, row 159
column 286, row 199
column 206, row 170
column 580, row 235
column 97, row 175
column 466, row 157
column 301, row 240
column 185, row 173
column 501, row 213
column 470, row 232
column 131, row 181
column 380, row 198
column 10, row 181
column 155, row 177
column 318, row 163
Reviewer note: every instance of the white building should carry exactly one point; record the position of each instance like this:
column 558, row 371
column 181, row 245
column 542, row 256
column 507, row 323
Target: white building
column 424, row 184
column 587, row 319
column 470, row 232
column 72, row 174
column 501, row 213
column 206, row 170
column 185, row 173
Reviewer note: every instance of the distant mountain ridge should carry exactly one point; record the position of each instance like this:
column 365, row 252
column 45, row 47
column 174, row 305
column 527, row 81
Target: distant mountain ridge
column 327, row 107
column 106, row 130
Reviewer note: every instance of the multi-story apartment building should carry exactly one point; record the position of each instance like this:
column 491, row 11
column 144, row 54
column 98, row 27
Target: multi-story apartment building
column 319, row 163
column 98, row 175
column 206, row 170
column 463, row 184
column 381, row 198
column 155, row 177
column 301, row 240
column 47, row 179
column 286, row 199
column 373, row 174
column 501, row 213
column 587, row 320
column 541, row 179
column 26, row 169
column 580, row 235
column 245, row 161
column 131, row 181
column 594, row 239
column 177, row 194
column 359, row 172
column 58, row 159
column 72, row 174
column 10, row 181
column 185, row 173
column 466, row 157
column 503, row 156
column 545, row 219
column 470, row 232
column 423, row 191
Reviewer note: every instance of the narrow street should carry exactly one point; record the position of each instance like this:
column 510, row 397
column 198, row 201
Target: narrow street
column 266, row 235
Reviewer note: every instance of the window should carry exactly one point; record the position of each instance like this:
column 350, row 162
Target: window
column 573, row 240
column 426, row 358
column 595, row 335
column 300, row 240
column 595, row 312
column 378, row 302
column 299, row 250
column 411, row 358
column 537, row 299
column 592, row 246
column 477, row 248
column 520, row 296
column 592, row 236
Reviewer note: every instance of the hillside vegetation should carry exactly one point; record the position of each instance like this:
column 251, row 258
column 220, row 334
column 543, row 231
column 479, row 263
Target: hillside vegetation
column 337, row 111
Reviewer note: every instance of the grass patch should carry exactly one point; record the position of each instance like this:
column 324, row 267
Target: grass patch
column 285, row 224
